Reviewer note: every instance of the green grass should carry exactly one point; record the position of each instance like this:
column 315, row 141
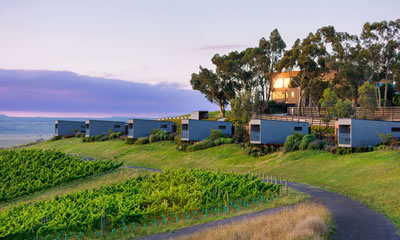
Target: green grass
column 372, row 178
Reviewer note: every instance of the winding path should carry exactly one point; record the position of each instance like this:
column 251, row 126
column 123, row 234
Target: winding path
column 353, row 220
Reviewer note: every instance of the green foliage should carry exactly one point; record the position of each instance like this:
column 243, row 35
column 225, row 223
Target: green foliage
column 320, row 131
column 142, row 141
column 208, row 143
column 328, row 101
column 140, row 200
column 307, row 139
column 367, row 99
column 387, row 139
column 274, row 107
column 214, row 88
column 27, row 171
column 343, row 151
column 344, row 109
column 317, row 144
column 257, row 150
column 215, row 134
column 130, row 141
column 241, row 134
column 396, row 100
column 293, row 142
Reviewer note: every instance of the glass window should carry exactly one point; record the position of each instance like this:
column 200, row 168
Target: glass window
column 185, row 126
column 164, row 126
column 221, row 127
column 117, row 126
column 298, row 128
column 396, row 129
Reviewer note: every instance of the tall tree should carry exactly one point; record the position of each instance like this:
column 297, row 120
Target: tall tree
column 216, row 89
column 366, row 100
column 310, row 57
column 381, row 42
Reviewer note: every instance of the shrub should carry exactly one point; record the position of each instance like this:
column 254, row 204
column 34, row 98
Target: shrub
column 241, row 134
column 307, row 139
column 171, row 137
column 130, row 141
column 154, row 138
column 226, row 140
column 292, row 142
column 142, row 141
column 316, row 145
column 216, row 134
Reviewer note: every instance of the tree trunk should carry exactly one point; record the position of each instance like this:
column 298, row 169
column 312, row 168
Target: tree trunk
column 386, row 89
column 222, row 111
column 379, row 96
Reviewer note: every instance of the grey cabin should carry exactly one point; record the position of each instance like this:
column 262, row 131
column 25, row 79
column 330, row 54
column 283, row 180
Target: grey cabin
column 142, row 127
column 65, row 128
column 97, row 127
column 197, row 130
column 274, row 131
column 353, row 132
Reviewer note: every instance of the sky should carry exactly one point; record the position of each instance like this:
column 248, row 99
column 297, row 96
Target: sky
column 159, row 42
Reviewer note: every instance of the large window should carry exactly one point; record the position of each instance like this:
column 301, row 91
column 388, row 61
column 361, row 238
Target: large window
column 130, row 125
column 56, row 125
column 164, row 126
column 117, row 126
column 221, row 127
column 185, row 127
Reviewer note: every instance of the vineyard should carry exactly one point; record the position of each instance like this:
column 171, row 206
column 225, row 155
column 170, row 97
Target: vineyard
column 27, row 171
column 142, row 200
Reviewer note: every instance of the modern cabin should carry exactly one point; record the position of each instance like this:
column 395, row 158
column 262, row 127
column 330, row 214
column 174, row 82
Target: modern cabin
column 142, row 127
column 197, row 130
column 65, row 128
column 97, row 127
column 364, row 133
column 274, row 131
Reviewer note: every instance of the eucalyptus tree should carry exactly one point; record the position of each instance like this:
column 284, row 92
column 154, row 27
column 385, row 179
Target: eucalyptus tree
column 343, row 61
column 381, row 41
column 215, row 88
column 309, row 56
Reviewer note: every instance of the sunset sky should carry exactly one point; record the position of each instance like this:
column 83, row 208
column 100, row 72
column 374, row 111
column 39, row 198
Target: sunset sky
column 154, row 42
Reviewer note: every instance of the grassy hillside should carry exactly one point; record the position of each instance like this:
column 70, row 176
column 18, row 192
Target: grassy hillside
column 372, row 178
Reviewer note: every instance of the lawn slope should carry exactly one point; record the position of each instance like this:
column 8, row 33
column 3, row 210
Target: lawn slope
column 372, row 178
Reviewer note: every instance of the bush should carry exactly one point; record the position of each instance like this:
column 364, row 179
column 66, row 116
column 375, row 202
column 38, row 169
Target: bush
column 171, row 137
column 307, row 139
column 241, row 134
column 343, row 151
column 292, row 142
column 142, row 141
column 130, row 141
column 154, row 138
column 216, row 134
column 316, row 145
column 80, row 134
